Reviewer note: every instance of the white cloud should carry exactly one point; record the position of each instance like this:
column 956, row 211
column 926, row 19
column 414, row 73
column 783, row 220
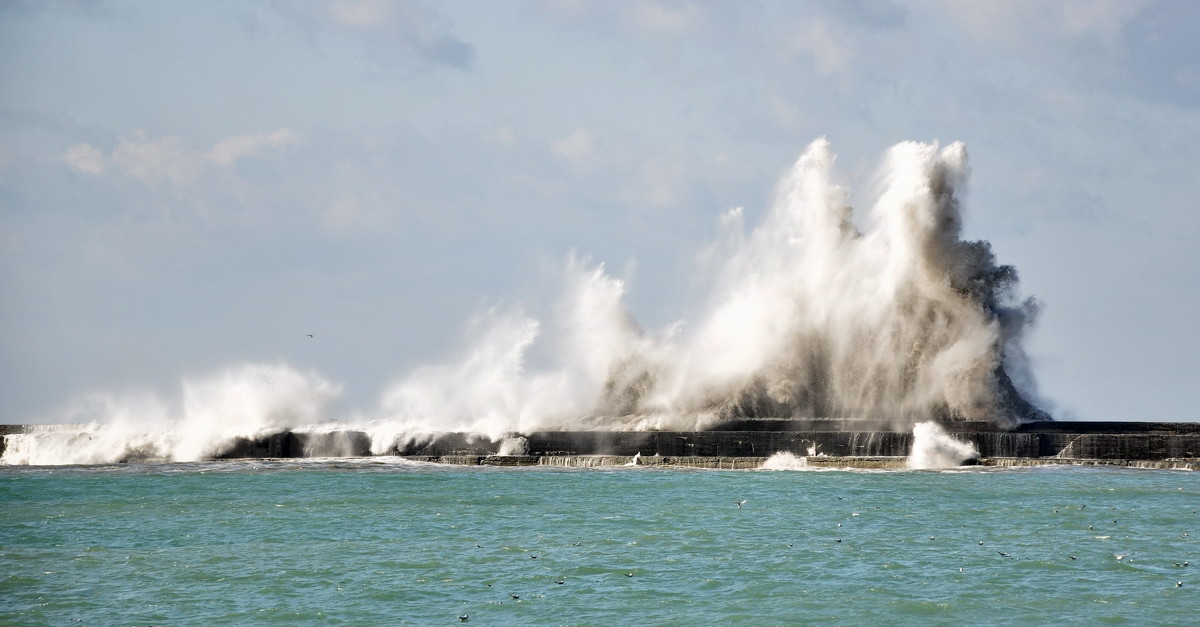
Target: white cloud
column 1102, row 18
column 397, row 33
column 577, row 147
column 157, row 160
column 363, row 14
column 505, row 135
column 651, row 18
column 153, row 160
column 349, row 213
column 568, row 8
column 85, row 158
column 228, row 151
column 1018, row 23
column 662, row 183
column 830, row 57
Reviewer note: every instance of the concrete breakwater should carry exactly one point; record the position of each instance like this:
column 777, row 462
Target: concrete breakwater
column 748, row 463
column 844, row 438
column 821, row 441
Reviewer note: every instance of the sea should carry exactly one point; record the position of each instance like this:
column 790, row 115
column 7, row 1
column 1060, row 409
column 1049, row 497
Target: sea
column 387, row 541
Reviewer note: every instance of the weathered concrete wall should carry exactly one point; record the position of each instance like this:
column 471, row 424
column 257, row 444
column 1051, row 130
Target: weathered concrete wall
column 749, row 439
column 291, row 444
column 745, row 463
column 765, row 443
column 1104, row 441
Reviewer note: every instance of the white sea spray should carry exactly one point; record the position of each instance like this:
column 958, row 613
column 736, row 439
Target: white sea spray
column 934, row 448
column 892, row 318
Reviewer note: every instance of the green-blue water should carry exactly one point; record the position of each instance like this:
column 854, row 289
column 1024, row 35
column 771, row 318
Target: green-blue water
column 369, row 542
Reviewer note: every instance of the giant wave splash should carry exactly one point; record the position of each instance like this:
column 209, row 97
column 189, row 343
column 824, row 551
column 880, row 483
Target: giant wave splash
column 892, row 318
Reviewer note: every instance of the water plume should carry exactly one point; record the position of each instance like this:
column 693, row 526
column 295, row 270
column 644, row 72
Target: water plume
column 889, row 317
column 785, row 460
column 516, row 445
column 807, row 316
column 247, row 401
column 811, row 317
column 934, row 448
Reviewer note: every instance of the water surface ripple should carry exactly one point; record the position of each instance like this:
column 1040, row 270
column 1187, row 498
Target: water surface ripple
column 395, row 542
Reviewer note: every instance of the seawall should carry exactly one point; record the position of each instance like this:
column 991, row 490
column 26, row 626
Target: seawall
column 854, row 442
column 846, row 438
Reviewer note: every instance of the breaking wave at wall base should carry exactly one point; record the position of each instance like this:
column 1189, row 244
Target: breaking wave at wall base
column 785, row 460
column 934, row 448
column 247, row 401
column 813, row 312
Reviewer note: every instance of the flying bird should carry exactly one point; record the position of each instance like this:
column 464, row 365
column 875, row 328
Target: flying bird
column 740, row 503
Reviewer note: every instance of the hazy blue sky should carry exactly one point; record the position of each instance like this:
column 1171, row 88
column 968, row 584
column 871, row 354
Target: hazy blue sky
column 185, row 185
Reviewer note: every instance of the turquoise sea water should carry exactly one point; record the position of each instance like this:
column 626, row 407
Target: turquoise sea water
column 395, row 542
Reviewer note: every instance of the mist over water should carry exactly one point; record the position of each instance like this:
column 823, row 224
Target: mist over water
column 810, row 313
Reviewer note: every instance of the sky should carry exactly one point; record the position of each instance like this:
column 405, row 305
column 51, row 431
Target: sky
column 186, row 186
